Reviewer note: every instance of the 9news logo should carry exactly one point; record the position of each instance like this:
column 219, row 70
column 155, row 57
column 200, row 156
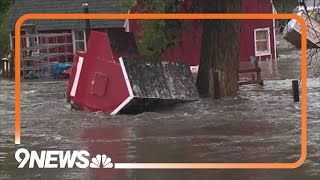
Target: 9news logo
column 61, row 159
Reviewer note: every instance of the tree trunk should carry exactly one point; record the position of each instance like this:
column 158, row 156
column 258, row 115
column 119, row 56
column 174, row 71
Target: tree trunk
column 219, row 62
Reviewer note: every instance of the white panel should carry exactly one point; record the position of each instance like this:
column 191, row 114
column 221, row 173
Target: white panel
column 77, row 77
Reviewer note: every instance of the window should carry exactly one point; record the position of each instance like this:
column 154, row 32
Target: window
column 262, row 42
column 79, row 41
column 32, row 40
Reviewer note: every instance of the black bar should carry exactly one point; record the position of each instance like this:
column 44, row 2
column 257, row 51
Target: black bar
column 88, row 25
column 295, row 89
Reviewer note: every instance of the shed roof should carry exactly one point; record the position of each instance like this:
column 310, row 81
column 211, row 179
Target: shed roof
column 22, row 7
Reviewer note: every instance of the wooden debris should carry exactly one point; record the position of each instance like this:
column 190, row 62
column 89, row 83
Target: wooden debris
column 254, row 79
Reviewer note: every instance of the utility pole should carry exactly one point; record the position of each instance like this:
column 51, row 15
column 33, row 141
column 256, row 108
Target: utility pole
column 88, row 26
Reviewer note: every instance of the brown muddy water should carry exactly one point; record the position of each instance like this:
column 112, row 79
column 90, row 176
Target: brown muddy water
column 259, row 124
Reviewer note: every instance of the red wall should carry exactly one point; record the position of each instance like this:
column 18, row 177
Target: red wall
column 188, row 46
column 248, row 26
column 57, row 40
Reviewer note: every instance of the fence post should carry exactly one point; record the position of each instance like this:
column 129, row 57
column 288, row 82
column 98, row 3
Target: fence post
column 11, row 60
column 7, row 69
column 259, row 79
column 2, row 68
column 295, row 89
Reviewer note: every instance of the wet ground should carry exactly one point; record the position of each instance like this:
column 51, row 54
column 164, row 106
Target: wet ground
column 259, row 124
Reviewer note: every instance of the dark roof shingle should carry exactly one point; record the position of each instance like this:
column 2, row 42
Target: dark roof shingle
column 22, row 7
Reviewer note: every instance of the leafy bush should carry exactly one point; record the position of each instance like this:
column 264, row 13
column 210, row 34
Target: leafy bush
column 156, row 35
column 5, row 11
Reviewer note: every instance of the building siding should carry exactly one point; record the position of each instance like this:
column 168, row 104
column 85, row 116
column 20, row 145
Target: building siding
column 248, row 27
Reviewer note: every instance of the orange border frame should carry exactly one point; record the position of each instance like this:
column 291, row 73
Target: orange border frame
column 297, row 164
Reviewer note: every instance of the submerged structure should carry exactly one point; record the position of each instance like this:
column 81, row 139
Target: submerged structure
column 100, row 82
column 310, row 12
column 292, row 32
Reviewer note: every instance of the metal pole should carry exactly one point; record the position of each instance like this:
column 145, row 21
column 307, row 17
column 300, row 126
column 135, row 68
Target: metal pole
column 88, row 26
column 295, row 89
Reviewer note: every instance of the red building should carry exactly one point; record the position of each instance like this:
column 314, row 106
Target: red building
column 257, row 36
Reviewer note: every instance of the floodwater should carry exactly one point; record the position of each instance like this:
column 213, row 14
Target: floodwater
column 259, row 124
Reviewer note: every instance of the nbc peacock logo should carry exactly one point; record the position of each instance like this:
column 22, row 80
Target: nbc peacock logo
column 101, row 161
